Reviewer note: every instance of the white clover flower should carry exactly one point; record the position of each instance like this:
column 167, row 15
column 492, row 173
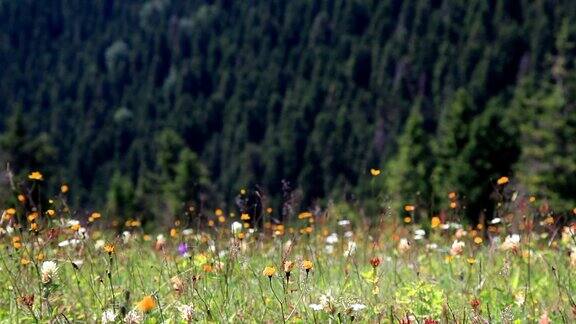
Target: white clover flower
column 186, row 312
column 133, row 317
column 108, row 316
column 332, row 238
column 49, row 271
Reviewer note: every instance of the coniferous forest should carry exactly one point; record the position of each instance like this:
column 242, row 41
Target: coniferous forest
column 146, row 107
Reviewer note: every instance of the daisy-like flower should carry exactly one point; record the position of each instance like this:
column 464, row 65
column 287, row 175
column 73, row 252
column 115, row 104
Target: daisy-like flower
column 307, row 265
column 49, row 271
column 186, row 312
column 332, row 238
column 269, row 272
column 316, row 307
column 236, row 227
column 108, row 316
column 357, row 307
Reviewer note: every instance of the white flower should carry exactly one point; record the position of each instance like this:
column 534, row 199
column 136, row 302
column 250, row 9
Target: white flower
column 403, row 245
column 329, row 249
column 99, row 244
column 236, row 227
column 348, row 234
column 350, row 249
column 49, row 271
column 72, row 222
column 126, row 236
column 495, row 220
column 519, row 298
column 432, row 246
column 78, row 263
column 457, row 247
column 133, row 317
column 71, row 242
column 108, row 316
column 344, row 222
column 82, row 233
column 357, row 307
column 332, row 238
column 9, row 229
column 512, row 242
column 186, row 312
column 316, row 307
column 420, row 232
column 187, row 232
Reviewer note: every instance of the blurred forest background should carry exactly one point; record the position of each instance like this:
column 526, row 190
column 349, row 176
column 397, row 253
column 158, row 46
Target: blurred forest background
column 147, row 107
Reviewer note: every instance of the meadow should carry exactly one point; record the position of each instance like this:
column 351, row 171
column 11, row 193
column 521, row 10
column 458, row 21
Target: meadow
column 325, row 266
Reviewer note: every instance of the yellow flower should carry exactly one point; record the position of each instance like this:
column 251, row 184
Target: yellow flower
column 32, row 216
column 502, row 181
column 244, row 216
column 471, row 261
column 51, row 212
column 304, row 215
column 173, row 232
column 109, row 248
column 146, row 304
column 307, row 265
column 218, row 212
column 21, row 198
column 36, row 175
column 453, row 205
column 24, row 261
column 478, row 240
column 407, row 219
column 64, row 188
column 375, row 172
column 435, row 222
column 16, row 242
column 269, row 272
column 269, row 210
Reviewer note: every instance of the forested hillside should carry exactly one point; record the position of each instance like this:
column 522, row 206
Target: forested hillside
column 142, row 106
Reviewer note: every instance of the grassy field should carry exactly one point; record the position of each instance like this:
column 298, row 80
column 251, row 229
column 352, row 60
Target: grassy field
column 322, row 267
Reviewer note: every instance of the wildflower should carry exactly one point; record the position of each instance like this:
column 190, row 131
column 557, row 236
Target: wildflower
column 269, row 272
column 471, row 261
column 183, row 249
column 244, row 216
column 36, row 175
column 160, row 242
column 344, row 222
column 329, row 249
column 357, row 307
column 64, row 188
column 475, row 304
column 305, row 215
column 375, row 262
column 16, row 242
column 407, row 219
column 99, row 244
column 375, row 172
column 133, row 317
column 435, row 222
column 502, row 181
column 49, row 272
column 511, row 243
column 307, row 265
column 108, row 316
column 409, row 208
column 478, row 240
column 173, row 232
column 109, row 248
column 332, row 238
column 146, row 304
column 316, row 307
column 519, row 298
column 404, row 245
column 24, row 261
column 495, row 220
column 236, row 227
column 457, row 248
column 186, row 312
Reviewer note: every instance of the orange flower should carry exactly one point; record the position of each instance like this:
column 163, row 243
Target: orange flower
column 64, row 188
column 502, row 181
column 146, row 304
column 409, row 208
column 109, row 248
column 245, row 216
column 304, row 215
column 36, row 175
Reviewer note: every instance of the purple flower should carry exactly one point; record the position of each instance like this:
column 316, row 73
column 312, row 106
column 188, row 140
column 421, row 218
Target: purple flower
column 183, row 248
